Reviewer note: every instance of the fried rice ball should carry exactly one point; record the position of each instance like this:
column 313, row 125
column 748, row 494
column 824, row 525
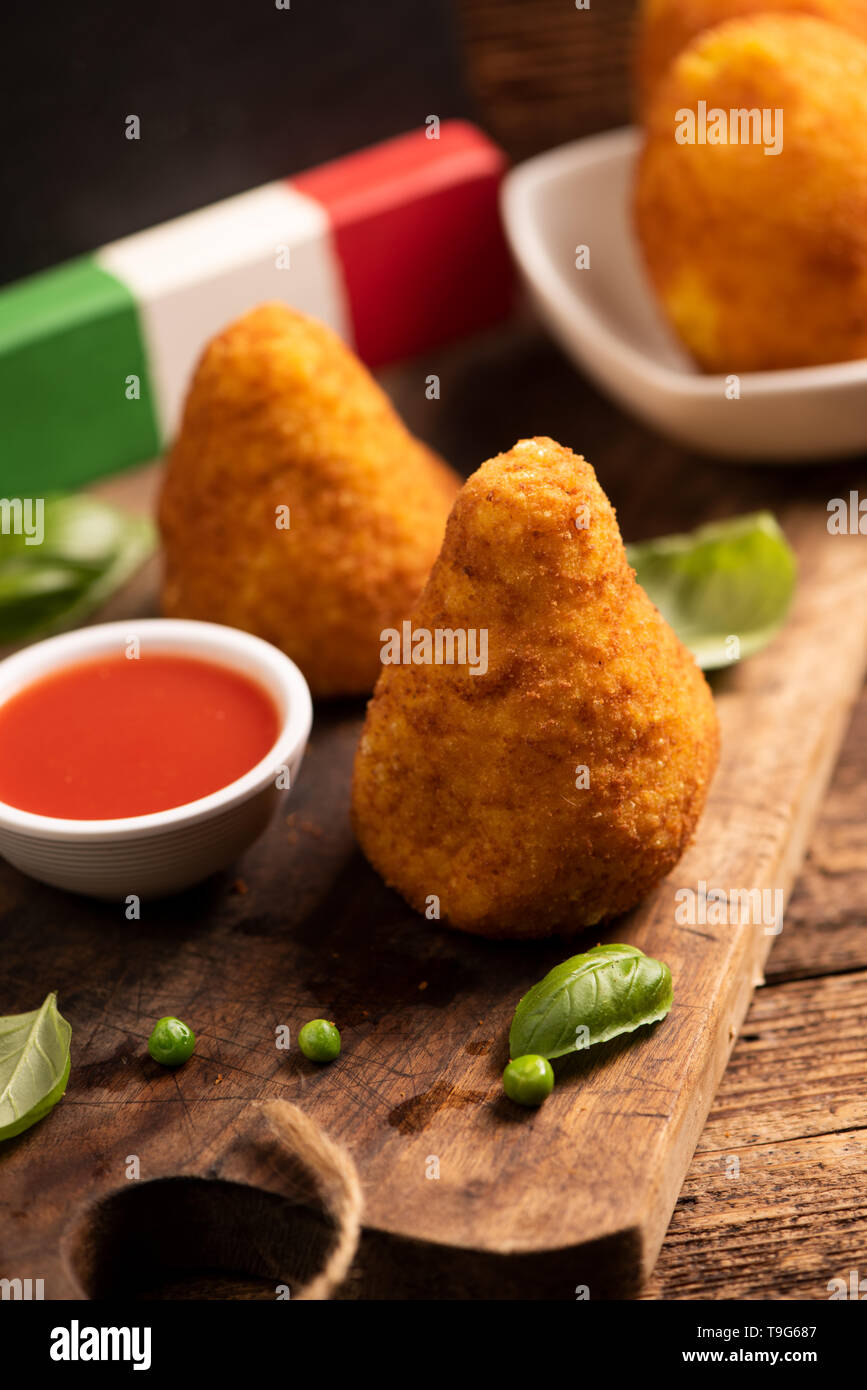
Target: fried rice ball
column 759, row 259
column 295, row 504
column 557, row 786
column 667, row 26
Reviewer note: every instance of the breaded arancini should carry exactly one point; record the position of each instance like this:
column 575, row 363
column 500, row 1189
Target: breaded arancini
column 667, row 26
column 282, row 415
column 760, row 260
column 465, row 784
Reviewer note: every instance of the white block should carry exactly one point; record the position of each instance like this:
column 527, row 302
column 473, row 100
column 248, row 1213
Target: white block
column 194, row 275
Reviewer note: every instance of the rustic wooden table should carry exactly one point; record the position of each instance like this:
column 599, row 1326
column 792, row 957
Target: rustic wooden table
column 775, row 1204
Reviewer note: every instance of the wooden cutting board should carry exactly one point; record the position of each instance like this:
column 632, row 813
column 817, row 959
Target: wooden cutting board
column 464, row 1193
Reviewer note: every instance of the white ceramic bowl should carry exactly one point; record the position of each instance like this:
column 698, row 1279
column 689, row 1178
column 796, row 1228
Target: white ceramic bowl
column 168, row 850
column 607, row 320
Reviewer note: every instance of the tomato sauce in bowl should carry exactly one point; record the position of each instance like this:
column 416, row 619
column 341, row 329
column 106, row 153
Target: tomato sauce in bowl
column 117, row 736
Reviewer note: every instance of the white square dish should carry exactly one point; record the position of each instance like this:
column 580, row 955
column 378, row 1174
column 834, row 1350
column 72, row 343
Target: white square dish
column 607, row 320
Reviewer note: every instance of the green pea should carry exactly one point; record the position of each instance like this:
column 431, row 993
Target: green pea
column 319, row 1040
column 528, row 1080
column 171, row 1042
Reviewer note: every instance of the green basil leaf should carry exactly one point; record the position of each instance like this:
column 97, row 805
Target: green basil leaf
column 608, row 990
column 34, row 1066
column 729, row 579
column 20, row 581
column 31, row 594
column 88, row 550
column 77, row 529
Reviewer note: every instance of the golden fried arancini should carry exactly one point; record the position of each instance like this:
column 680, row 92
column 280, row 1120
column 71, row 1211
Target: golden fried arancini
column 296, row 505
column 760, row 259
column 667, row 26
column 558, row 785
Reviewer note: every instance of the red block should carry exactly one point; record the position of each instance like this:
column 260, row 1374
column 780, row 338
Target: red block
column 416, row 225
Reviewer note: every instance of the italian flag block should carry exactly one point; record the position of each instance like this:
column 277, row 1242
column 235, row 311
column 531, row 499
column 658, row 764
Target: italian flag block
column 399, row 248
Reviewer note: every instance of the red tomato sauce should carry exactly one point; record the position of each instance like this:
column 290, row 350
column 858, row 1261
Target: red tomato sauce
column 119, row 736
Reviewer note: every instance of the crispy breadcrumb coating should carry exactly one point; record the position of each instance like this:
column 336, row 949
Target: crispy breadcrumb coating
column 667, row 26
column 760, row 260
column 281, row 414
column 465, row 784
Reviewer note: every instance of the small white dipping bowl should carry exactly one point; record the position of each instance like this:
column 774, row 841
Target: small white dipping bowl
column 608, row 321
column 164, row 851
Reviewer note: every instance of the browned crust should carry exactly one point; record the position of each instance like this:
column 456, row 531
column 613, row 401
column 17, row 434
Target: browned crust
column 281, row 413
column 464, row 786
column 760, row 261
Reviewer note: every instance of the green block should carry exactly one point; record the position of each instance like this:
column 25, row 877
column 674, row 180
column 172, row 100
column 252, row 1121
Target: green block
column 69, row 339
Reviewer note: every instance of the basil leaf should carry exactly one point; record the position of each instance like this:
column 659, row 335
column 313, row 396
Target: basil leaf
column 31, row 594
column 34, row 1066
column 729, row 579
column 88, row 550
column 20, row 581
column 608, row 990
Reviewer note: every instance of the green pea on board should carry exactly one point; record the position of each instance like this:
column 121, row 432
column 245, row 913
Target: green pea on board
column 319, row 1040
column 172, row 1042
column 528, row 1080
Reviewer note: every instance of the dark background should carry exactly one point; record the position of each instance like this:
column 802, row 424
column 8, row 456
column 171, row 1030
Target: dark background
column 231, row 94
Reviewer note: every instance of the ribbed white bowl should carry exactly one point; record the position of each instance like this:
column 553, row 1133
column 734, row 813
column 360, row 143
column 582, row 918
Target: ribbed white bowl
column 161, row 853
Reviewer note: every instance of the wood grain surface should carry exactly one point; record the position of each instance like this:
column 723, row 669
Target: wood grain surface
column 302, row 926
column 792, row 1213
column 549, row 71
